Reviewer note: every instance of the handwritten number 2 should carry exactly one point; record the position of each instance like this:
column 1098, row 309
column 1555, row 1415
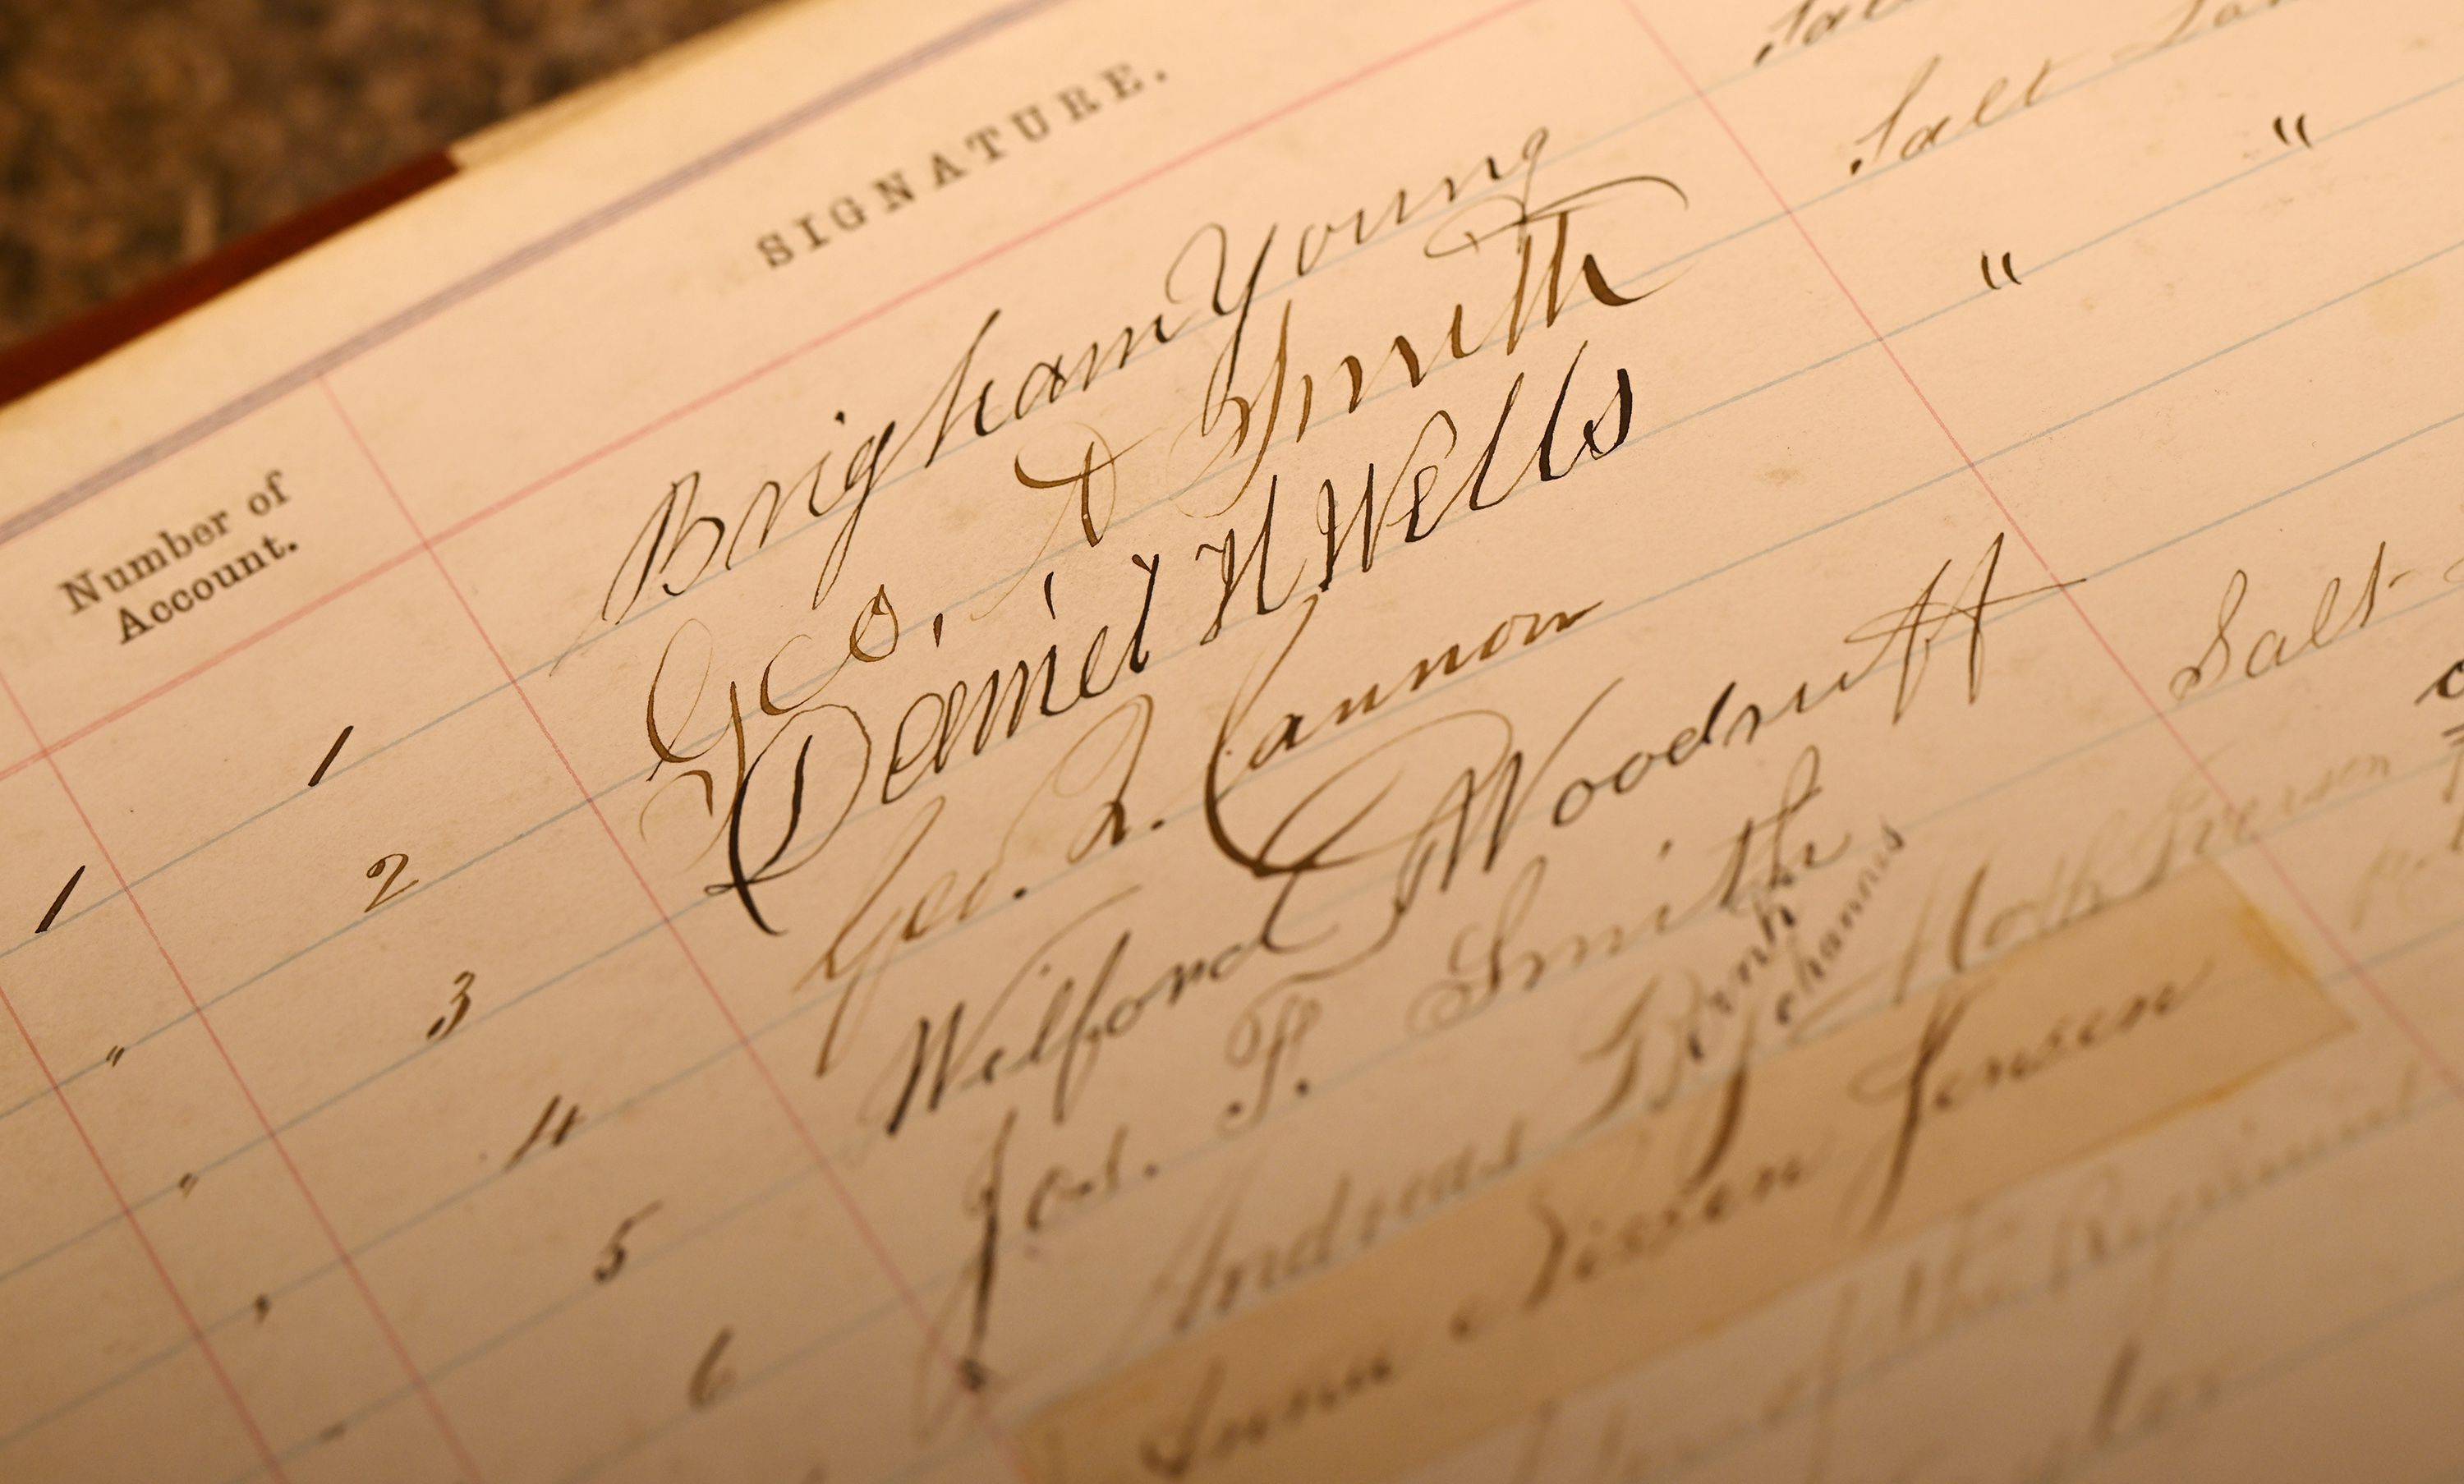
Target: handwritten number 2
column 388, row 890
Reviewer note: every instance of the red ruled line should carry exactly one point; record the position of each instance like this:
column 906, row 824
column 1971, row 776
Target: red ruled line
column 2353, row 966
column 333, row 1237
column 520, row 260
column 46, row 752
column 128, row 1215
column 999, row 250
column 830, row 1172
column 845, row 1196
column 43, row 753
column 746, row 379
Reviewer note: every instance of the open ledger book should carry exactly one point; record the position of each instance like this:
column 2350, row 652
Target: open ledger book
column 1572, row 742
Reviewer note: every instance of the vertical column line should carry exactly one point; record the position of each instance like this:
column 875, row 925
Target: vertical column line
column 341, row 1254
column 840, row 1190
column 2353, row 966
column 153, row 1257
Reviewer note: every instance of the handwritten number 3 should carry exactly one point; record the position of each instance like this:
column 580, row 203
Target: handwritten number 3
column 388, row 890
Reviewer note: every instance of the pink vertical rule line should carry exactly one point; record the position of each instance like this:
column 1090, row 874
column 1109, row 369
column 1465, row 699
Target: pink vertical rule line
column 2353, row 966
column 905, row 297
column 154, row 1258
column 44, row 751
column 840, row 1191
column 393, row 1340
column 42, row 754
column 462, row 291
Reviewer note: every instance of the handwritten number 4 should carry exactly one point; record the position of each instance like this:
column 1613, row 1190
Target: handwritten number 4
column 388, row 891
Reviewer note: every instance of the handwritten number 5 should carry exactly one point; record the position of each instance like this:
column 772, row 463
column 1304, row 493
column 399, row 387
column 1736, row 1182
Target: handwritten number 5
column 388, row 890
column 612, row 1258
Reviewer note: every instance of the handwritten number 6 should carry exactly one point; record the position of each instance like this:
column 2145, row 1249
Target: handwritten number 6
column 388, row 890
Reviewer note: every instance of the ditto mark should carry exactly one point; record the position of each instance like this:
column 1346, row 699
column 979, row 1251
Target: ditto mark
column 60, row 900
column 1985, row 260
column 2300, row 130
column 332, row 753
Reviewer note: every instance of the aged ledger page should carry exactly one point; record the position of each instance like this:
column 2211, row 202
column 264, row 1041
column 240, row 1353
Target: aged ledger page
column 1571, row 742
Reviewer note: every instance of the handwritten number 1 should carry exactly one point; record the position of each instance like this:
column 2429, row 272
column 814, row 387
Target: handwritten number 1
column 712, row 1378
column 388, row 890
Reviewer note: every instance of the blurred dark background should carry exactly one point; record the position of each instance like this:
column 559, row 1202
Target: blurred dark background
column 136, row 135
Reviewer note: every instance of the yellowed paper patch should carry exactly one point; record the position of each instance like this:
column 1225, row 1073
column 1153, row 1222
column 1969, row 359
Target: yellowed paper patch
column 1634, row 1242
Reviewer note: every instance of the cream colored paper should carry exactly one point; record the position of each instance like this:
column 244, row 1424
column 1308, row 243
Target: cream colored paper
column 905, row 849
column 1628, row 1244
